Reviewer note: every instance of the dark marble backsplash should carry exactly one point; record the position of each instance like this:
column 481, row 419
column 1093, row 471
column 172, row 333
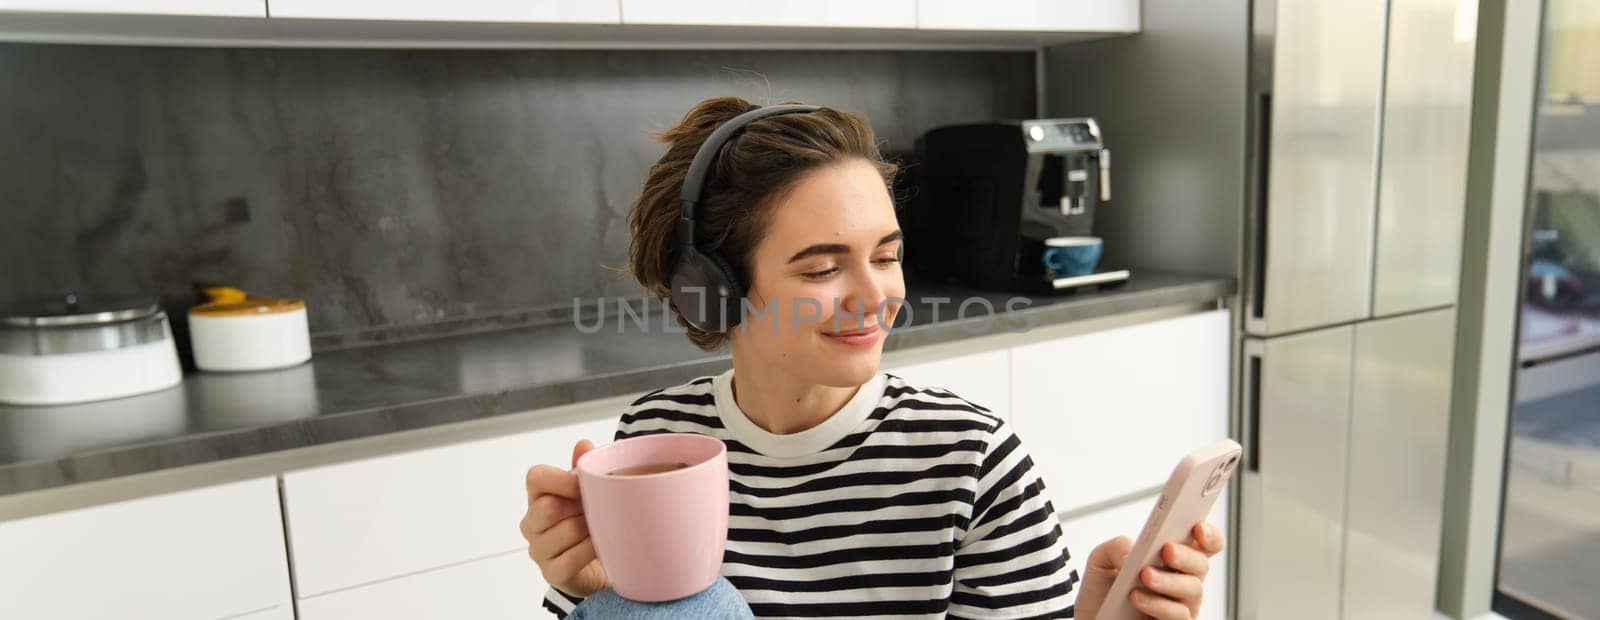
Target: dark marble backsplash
column 392, row 188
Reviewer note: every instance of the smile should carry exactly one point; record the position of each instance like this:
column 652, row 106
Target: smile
column 865, row 336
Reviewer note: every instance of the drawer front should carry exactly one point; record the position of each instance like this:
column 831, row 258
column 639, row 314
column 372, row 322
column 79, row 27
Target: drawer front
column 364, row 521
column 506, row 586
column 212, row 552
column 1109, row 413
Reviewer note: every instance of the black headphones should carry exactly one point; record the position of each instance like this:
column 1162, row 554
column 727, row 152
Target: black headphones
column 705, row 288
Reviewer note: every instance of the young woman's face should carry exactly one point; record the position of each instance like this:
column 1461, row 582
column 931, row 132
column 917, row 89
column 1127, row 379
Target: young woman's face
column 825, row 283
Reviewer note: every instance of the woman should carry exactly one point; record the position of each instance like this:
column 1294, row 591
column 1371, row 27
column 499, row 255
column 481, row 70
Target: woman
column 853, row 493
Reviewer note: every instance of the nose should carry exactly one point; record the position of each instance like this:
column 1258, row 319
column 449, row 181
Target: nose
column 866, row 294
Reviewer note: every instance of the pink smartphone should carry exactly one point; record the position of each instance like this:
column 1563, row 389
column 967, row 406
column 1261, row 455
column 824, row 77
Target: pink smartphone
column 1194, row 486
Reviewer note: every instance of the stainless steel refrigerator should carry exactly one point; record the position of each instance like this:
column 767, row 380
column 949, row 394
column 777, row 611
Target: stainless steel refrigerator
column 1356, row 158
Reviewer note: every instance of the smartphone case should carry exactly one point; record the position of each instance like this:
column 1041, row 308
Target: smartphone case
column 1185, row 500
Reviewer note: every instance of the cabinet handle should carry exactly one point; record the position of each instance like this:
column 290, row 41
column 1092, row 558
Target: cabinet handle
column 1253, row 416
column 1258, row 278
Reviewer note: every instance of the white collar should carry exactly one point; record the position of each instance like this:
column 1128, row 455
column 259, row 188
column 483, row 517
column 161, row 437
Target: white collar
column 803, row 443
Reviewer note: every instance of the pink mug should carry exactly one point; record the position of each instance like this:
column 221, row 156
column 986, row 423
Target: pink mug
column 658, row 535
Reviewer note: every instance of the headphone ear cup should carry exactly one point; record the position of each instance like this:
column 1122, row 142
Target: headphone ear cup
column 706, row 292
column 733, row 300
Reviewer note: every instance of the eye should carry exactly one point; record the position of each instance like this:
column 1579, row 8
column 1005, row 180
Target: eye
column 889, row 260
column 820, row 274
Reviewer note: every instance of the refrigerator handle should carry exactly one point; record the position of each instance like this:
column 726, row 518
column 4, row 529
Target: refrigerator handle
column 1263, row 159
column 1252, row 413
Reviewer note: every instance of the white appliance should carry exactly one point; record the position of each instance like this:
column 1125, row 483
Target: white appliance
column 84, row 348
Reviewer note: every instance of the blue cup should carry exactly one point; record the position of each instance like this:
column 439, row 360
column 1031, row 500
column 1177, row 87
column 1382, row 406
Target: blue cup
column 1071, row 256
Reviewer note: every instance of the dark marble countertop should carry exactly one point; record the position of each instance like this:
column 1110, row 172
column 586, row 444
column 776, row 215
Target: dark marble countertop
column 373, row 390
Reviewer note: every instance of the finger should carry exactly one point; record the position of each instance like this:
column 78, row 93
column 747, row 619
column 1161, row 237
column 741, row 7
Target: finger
column 1185, row 559
column 578, row 449
column 549, row 510
column 573, row 560
column 1186, row 589
column 544, row 479
column 559, row 539
column 1111, row 554
column 1158, row 607
column 1209, row 539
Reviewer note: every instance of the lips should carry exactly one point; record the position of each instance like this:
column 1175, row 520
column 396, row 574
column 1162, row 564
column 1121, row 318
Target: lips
column 859, row 337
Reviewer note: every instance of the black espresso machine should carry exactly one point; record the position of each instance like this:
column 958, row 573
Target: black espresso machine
column 1010, row 206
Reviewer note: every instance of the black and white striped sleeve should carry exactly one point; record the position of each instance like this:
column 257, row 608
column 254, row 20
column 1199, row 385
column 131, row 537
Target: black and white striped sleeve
column 1011, row 561
column 558, row 603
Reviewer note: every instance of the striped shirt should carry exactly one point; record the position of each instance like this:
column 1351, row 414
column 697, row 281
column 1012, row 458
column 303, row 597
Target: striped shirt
column 906, row 503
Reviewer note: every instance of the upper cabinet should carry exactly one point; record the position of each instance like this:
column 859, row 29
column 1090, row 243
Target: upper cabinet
column 215, row 8
column 537, row 11
column 1029, row 15
column 791, row 13
column 589, row 24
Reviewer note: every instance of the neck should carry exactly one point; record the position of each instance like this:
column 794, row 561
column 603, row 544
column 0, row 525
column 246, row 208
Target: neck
column 781, row 403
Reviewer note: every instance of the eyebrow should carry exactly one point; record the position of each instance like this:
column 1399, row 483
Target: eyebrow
column 838, row 248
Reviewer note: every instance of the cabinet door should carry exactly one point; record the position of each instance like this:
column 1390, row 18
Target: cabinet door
column 813, row 13
column 1109, row 413
column 1036, row 15
column 546, row 11
column 1427, row 108
column 281, row 612
column 228, row 8
column 212, row 552
column 1085, row 532
column 359, row 522
column 1298, row 390
column 507, row 586
column 1327, row 73
column 982, row 378
column 1400, row 421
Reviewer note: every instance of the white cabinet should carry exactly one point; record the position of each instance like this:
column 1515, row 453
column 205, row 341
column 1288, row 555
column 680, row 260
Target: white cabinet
column 213, row 552
column 1030, row 15
column 1109, row 413
column 982, row 378
column 539, row 11
column 359, row 522
column 1085, row 532
column 801, row 13
column 281, row 612
column 517, row 24
column 229, row 8
column 504, row 587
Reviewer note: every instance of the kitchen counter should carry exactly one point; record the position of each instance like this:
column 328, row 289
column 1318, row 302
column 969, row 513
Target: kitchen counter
column 374, row 390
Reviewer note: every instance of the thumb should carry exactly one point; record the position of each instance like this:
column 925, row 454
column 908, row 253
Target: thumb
column 1111, row 554
column 579, row 449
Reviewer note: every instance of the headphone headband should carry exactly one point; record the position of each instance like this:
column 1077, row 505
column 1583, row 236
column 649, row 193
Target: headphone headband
column 694, row 180
column 705, row 289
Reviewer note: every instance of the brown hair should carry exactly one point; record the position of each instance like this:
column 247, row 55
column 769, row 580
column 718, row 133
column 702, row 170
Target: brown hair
column 753, row 168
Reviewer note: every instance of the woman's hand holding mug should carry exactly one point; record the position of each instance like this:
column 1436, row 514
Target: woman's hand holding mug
column 558, row 537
